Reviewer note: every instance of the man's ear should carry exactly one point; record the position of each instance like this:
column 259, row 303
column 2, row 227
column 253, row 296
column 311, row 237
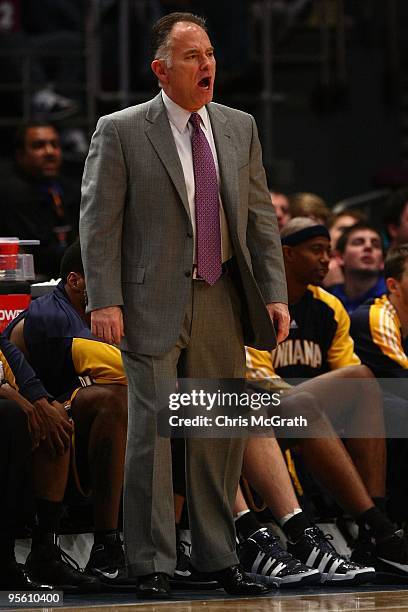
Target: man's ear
column 393, row 286
column 159, row 68
column 287, row 253
column 74, row 281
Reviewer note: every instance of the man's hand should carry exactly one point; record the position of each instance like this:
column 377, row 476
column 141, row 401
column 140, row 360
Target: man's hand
column 56, row 425
column 107, row 324
column 280, row 317
column 34, row 425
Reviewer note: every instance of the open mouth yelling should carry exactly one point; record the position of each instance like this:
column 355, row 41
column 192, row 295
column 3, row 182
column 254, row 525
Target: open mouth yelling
column 205, row 83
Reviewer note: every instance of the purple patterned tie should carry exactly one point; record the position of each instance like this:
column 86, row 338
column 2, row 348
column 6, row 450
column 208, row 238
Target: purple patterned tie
column 207, row 206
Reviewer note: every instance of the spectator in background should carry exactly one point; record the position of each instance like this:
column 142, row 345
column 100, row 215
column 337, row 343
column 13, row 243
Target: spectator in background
column 280, row 203
column 360, row 255
column 340, row 221
column 336, row 225
column 36, row 202
column 305, row 204
column 396, row 217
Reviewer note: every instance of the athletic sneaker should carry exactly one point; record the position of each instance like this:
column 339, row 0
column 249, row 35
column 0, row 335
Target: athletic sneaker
column 107, row 562
column 185, row 576
column 262, row 555
column 389, row 557
column 48, row 563
column 315, row 550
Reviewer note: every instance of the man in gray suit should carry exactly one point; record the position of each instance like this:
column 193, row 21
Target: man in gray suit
column 181, row 286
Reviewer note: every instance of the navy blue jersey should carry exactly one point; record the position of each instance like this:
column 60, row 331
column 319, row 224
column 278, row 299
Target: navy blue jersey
column 61, row 348
column 319, row 338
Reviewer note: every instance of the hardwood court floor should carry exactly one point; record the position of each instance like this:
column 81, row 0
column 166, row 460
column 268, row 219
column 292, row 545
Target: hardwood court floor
column 362, row 600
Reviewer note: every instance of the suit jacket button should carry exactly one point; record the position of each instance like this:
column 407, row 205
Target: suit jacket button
column 189, row 234
column 187, row 273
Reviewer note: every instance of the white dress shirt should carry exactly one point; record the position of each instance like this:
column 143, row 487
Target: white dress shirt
column 182, row 130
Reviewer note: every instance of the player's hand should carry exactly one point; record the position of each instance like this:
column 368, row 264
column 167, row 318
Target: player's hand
column 34, row 425
column 107, row 324
column 280, row 317
column 57, row 426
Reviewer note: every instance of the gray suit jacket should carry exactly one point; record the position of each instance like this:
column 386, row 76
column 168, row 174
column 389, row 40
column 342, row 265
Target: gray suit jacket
column 136, row 232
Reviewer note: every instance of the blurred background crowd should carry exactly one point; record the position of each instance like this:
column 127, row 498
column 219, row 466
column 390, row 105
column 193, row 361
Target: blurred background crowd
column 325, row 79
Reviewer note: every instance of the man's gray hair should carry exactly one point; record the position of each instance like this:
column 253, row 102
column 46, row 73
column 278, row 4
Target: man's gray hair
column 160, row 42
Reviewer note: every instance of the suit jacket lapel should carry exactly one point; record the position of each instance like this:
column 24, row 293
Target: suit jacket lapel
column 227, row 162
column 158, row 131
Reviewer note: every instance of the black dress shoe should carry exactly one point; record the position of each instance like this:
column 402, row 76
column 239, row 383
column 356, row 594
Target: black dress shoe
column 154, row 586
column 236, row 582
column 14, row 576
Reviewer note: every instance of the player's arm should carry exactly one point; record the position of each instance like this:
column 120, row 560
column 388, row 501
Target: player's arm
column 341, row 351
column 379, row 343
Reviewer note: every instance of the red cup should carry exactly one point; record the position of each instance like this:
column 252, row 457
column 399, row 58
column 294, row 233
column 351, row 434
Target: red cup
column 8, row 253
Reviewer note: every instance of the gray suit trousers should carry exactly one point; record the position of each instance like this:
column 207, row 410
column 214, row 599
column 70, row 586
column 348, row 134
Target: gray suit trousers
column 210, row 346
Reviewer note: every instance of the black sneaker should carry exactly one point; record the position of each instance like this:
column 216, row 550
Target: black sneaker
column 48, row 563
column 389, row 557
column 13, row 576
column 315, row 550
column 185, row 576
column 107, row 562
column 262, row 555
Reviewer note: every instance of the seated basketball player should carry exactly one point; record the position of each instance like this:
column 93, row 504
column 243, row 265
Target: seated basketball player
column 35, row 439
column 88, row 374
column 319, row 342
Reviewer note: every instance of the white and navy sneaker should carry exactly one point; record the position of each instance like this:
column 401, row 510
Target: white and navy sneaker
column 389, row 557
column 315, row 550
column 262, row 555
